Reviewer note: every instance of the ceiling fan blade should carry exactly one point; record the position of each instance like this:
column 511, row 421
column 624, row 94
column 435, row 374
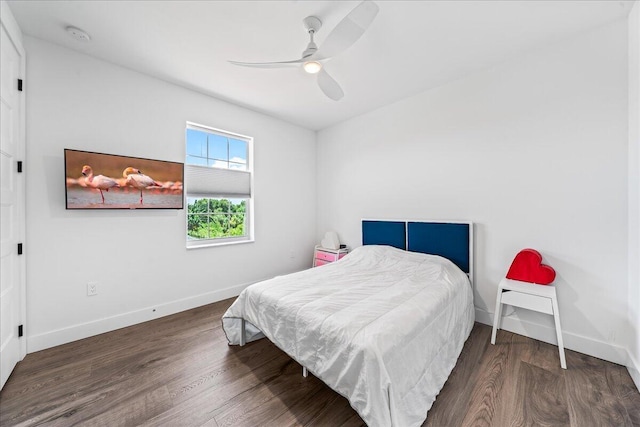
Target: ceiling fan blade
column 349, row 30
column 280, row 64
column 329, row 86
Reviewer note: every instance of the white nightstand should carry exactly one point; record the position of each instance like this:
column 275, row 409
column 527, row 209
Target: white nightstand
column 540, row 298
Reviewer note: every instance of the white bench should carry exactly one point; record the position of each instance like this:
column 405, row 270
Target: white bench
column 541, row 298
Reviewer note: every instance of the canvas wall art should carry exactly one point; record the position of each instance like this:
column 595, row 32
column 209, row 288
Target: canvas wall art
column 108, row 181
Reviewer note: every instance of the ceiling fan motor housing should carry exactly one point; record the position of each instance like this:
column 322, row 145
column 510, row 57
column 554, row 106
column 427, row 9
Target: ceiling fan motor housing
column 312, row 23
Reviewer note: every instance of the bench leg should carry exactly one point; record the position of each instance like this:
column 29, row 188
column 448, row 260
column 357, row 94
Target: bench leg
column 496, row 316
column 556, row 318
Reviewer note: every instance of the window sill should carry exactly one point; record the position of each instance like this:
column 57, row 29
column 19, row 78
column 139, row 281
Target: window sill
column 198, row 245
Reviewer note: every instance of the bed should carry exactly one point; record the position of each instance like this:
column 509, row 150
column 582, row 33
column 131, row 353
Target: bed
column 384, row 326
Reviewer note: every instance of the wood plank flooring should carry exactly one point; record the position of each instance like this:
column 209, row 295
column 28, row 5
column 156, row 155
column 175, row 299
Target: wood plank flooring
column 179, row 371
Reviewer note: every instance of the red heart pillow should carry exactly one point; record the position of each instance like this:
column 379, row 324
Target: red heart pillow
column 527, row 266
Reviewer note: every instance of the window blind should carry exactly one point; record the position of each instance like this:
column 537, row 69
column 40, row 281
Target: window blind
column 202, row 181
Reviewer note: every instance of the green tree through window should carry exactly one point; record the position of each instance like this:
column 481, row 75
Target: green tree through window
column 216, row 218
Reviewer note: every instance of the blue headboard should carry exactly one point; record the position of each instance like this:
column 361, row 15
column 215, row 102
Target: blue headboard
column 449, row 239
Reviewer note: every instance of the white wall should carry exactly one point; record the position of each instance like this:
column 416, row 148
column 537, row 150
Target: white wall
column 139, row 257
column 634, row 192
column 534, row 151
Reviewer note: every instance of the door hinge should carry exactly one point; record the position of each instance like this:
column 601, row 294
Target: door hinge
column 19, row 85
column 19, row 248
column 20, row 331
column 19, row 166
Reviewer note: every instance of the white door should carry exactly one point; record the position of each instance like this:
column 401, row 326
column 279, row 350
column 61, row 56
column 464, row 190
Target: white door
column 12, row 288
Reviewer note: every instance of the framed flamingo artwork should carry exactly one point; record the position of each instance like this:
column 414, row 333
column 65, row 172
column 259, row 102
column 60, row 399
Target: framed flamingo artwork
column 108, row 181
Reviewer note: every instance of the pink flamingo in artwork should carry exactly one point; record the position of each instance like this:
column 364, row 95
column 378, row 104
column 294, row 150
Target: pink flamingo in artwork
column 100, row 182
column 137, row 179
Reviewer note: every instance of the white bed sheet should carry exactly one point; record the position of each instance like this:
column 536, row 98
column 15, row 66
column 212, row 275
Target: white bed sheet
column 383, row 327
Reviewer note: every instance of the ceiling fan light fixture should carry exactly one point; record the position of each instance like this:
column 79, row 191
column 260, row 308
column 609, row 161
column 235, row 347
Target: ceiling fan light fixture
column 312, row 67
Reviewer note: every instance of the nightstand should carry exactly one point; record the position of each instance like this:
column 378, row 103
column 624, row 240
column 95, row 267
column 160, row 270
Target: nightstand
column 541, row 298
column 322, row 256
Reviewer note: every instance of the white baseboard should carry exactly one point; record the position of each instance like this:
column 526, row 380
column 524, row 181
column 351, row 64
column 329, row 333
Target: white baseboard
column 600, row 349
column 634, row 370
column 84, row 330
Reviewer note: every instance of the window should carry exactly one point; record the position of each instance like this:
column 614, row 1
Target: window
column 218, row 187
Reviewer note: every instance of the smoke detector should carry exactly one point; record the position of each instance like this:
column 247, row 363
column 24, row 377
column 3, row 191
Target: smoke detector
column 78, row 34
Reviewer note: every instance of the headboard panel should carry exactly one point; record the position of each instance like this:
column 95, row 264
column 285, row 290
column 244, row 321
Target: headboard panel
column 390, row 233
column 450, row 239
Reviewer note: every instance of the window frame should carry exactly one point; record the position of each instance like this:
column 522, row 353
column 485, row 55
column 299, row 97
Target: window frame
column 194, row 243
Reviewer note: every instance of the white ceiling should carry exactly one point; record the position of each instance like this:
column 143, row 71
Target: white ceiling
column 411, row 46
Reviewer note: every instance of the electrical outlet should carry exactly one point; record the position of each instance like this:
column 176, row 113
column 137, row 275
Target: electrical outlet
column 92, row 288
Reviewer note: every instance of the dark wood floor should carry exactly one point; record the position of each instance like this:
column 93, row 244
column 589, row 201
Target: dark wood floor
column 179, row 371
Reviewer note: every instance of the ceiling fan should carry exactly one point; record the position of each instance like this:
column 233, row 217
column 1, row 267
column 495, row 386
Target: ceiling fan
column 345, row 34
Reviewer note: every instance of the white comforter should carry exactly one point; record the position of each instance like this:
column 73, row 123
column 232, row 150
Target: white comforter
column 383, row 327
